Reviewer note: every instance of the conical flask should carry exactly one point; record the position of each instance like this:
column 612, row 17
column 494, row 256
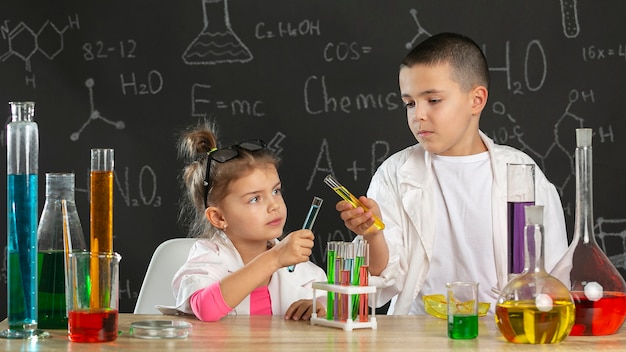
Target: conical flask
column 51, row 251
column 534, row 307
column 597, row 287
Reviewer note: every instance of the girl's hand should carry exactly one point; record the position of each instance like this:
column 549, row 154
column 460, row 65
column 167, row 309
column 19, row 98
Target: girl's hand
column 303, row 309
column 295, row 248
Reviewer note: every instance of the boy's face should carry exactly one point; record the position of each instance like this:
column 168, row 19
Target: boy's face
column 442, row 116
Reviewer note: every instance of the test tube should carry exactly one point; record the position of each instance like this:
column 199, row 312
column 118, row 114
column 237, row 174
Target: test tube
column 338, row 266
column 364, row 280
column 346, row 272
column 350, row 198
column 331, row 254
column 310, row 220
column 355, row 279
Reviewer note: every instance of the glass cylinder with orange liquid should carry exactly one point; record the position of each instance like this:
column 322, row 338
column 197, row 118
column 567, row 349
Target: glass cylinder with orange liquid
column 100, row 209
column 101, row 201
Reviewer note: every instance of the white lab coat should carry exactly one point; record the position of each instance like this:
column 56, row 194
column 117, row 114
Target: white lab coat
column 403, row 188
column 211, row 260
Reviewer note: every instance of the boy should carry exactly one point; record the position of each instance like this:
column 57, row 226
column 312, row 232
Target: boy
column 443, row 200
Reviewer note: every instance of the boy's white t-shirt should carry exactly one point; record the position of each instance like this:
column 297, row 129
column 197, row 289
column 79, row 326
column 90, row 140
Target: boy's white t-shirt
column 463, row 247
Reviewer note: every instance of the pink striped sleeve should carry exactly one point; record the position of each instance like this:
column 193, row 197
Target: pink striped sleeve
column 208, row 303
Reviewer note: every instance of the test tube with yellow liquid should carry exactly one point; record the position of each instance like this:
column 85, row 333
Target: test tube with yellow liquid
column 347, row 196
column 101, row 213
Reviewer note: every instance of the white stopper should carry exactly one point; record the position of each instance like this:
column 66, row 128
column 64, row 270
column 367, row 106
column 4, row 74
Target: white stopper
column 583, row 137
column 533, row 214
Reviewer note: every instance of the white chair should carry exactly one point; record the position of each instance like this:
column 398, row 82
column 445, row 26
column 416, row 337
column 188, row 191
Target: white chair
column 156, row 288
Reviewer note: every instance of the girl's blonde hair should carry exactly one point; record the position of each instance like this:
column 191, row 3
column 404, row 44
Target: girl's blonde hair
column 194, row 146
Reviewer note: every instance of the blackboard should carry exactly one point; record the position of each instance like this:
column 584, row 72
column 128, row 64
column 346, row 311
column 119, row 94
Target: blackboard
column 317, row 80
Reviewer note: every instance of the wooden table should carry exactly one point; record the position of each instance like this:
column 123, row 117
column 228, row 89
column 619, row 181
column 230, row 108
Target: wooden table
column 263, row 333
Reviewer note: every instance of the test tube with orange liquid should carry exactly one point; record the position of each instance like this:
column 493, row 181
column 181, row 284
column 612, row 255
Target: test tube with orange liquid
column 101, row 212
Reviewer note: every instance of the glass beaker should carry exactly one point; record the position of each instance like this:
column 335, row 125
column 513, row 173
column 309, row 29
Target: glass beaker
column 534, row 307
column 462, row 309
column 93, row 309
column 52, row 311
column 520, row 193
column 598, row 289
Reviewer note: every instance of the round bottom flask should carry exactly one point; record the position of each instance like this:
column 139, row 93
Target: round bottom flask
column 534, row 307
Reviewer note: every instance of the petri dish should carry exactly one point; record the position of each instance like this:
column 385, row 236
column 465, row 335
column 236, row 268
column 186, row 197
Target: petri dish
column 160, row 329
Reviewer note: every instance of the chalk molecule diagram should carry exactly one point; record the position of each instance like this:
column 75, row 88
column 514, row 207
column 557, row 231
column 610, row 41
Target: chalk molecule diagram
column 94, row 114
column 569, row 21
column 420, row 30
column 24, row 42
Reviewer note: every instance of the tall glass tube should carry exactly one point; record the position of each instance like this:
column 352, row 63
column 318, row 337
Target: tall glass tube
column 100, row 210
column 22, row 205
column 520, row 193
column 598, row 289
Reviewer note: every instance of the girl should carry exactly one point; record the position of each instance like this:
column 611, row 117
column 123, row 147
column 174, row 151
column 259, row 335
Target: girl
column 239, row 266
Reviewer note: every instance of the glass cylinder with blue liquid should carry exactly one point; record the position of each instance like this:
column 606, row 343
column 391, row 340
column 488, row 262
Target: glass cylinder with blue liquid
column 22, row 209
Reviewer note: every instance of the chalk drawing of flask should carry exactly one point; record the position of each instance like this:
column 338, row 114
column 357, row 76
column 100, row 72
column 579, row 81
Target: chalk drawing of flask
column 217, row 42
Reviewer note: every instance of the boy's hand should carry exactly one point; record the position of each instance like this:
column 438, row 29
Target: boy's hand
column 357, row 219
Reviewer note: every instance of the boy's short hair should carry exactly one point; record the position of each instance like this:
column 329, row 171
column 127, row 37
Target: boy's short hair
column 469, row 65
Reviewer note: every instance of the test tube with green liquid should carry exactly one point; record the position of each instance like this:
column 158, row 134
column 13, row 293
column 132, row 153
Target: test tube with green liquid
column 364, row 254
column 355, row 276
column 347, row 196
column 331, row 256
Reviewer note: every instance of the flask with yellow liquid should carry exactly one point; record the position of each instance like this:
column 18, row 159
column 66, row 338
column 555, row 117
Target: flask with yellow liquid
column 534, row 307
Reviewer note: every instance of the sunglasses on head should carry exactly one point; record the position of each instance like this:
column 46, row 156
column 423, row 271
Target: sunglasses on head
column 223, row 155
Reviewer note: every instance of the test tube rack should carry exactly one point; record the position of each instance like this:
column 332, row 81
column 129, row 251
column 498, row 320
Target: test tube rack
column 349, row 324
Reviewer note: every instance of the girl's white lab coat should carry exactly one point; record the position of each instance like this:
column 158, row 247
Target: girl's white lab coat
column 403, row 188
column 211, row 260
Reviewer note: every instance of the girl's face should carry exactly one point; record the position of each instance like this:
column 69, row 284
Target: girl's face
column 254, row 209
column 442, row 116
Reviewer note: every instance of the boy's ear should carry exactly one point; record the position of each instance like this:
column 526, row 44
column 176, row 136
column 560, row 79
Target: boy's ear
column 479, row 99
column 215, row 217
